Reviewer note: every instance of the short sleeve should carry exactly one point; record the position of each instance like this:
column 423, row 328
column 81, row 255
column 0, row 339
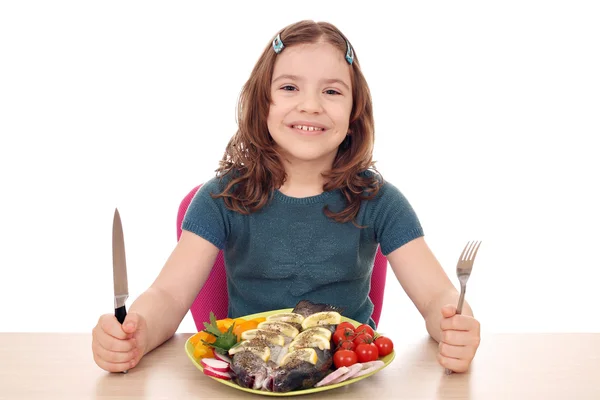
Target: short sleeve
column 208, row 217
column 395, row 220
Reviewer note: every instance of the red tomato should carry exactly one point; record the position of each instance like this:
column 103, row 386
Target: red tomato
column 366, row 352
column 342, row 334
column 345, row 324
column 346, row 345
column 362, row 338
column 384, row 345
column 364, row 328
column 344, row 358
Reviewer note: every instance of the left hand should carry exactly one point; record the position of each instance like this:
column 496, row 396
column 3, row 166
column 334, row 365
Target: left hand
column 460, row 340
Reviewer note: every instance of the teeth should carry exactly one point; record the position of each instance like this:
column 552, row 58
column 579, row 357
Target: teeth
column 307, row 128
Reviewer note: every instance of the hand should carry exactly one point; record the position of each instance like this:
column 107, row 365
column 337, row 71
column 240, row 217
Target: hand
column 118, row 348
column 460, row 340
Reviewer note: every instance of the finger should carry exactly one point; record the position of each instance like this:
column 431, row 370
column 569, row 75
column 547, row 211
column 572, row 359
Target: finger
column 109, row 324
column 113, row 344
column 448, row 311
column 457, row 352
column 131, row 323
column 460, row 322
column 115, row 357
column 453, row 364
column 113, row 367
column 460, row 338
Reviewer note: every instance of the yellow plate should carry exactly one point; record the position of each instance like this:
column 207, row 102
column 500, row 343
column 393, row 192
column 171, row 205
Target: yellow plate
column 189, row 349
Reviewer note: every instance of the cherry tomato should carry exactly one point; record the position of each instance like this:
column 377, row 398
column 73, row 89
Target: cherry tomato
column 362, row 338
column 384, row 345
column 342, row 334
column 364, row 328
column 346, row 345
column 366, row 352
column 344, row 358
column 345, row 324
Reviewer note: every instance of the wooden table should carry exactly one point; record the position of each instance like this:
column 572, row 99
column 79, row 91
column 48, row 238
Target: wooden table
column 508, row 366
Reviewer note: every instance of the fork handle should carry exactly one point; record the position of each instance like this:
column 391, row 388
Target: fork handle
column 461, row 300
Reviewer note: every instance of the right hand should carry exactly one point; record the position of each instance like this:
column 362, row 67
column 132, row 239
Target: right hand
column 119, row 348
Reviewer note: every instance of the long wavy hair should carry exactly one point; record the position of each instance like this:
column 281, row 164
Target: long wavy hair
column 251, row 158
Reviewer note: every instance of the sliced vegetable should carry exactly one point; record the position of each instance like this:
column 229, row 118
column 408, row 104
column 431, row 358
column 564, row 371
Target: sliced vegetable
column 352, row 371
column 369, row 367
column 243, row 327
column 332, row 376
column 201, row 351
column 223, row 358
column 217, row 374
column 217, row 365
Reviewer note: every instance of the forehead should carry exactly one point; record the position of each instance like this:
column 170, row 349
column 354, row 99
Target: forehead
column 313, row 61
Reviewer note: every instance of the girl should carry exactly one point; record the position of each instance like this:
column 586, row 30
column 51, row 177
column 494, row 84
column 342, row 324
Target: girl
column 299, row 210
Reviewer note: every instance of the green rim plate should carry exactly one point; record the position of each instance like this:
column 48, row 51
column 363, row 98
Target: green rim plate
column 189, row 350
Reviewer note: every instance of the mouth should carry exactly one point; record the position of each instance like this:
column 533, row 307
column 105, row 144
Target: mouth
column 308, row 129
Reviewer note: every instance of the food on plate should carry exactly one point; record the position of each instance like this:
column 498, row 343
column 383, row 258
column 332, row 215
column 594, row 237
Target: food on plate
column 307, row 347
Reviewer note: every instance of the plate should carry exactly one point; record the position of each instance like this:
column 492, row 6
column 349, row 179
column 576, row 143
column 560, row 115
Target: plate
column 189, row 349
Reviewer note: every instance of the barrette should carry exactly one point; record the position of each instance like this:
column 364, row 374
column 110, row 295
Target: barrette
column 349, row 53
column 277, row 44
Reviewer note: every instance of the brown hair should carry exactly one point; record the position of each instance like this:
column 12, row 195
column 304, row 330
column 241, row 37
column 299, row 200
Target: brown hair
column 251, row 156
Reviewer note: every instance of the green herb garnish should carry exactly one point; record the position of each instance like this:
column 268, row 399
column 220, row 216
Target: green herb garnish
column 225, row 340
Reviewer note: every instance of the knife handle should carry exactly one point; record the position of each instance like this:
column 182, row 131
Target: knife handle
column 121, row 313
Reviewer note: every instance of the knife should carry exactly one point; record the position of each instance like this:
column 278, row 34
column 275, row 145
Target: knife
column 119, row 269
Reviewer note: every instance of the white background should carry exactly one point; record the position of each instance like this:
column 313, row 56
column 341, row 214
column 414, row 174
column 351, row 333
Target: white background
column 485, row 119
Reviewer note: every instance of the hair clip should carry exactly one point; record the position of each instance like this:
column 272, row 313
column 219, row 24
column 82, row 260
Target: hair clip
column 278, row 44
column 349, row 53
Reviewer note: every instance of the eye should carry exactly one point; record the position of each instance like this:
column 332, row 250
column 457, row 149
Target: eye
column 332, row 91
column 288, row 88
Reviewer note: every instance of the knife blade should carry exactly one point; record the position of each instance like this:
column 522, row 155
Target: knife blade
column 119, row 269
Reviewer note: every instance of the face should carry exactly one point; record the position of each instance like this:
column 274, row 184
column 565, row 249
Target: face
column 311, row 102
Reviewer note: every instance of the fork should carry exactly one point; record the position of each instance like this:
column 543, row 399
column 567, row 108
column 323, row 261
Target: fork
column 463, row 271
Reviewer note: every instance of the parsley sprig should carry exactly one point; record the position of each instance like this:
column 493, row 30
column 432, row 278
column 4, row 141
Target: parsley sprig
column 225, row 340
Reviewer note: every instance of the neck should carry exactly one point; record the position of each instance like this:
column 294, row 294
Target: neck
column 304, row 178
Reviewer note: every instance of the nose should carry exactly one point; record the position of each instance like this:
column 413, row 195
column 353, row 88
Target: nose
column 310, row 103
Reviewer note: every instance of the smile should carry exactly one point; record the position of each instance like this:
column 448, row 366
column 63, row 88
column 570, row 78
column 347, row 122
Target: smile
column 308, row 129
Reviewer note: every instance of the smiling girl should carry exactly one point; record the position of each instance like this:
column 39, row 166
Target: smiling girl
column 299, row 210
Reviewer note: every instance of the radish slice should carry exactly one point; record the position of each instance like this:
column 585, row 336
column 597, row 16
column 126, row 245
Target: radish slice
column 217, row 374
column 332, row 376
column 370, row 367
column 215, row 365
column 352, row 371
column 223, row 358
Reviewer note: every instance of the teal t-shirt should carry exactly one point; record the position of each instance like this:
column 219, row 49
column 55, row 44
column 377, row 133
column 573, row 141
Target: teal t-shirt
column 291, row 251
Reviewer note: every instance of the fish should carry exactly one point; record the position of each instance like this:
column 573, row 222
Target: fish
column 298, row 375
column 256, row 368
column 306, row 308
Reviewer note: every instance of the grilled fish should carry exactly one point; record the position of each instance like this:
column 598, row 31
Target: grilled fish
column 284, row 366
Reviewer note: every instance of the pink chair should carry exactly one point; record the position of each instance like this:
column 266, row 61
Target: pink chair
column 213, row 295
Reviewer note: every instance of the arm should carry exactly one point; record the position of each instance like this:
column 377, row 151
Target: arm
column 166, row 302
column 425, row 282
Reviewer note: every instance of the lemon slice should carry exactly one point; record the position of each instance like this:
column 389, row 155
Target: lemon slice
column 307, row 354
column 311, row 341
column 286, row 317
column 261, row 351
column 270, row 336
column 315, row 330
column 280, row 327
column 322, row 318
